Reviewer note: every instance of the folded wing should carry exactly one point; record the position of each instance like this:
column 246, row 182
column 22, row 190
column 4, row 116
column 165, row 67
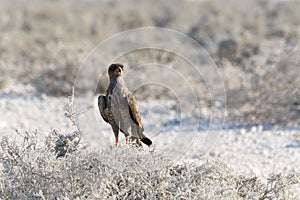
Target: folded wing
column 136, row 117
column 134, row 112
column 102, row 105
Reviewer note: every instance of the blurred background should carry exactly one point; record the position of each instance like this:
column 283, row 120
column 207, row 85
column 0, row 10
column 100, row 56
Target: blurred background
column 255, row 45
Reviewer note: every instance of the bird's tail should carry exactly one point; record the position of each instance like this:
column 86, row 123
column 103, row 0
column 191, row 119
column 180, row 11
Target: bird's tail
column 146, row 141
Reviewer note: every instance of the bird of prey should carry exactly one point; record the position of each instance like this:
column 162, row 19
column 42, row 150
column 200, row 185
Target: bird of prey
column 118, row 108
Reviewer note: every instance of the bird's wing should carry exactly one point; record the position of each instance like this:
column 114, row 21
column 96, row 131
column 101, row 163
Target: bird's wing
column 102, row 105
column 134, row 111
column 136, row 117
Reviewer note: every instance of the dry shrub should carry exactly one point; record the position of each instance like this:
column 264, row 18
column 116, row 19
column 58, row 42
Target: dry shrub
column 62, row 168
column 29, row 171
column 56, row 82
column 43, row 45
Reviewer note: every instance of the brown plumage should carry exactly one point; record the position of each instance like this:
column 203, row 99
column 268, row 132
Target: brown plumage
column 118, row 108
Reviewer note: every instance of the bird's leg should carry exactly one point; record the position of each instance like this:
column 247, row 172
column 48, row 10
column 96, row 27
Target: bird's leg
column 127, row 131
column 117, row 142
column 139, row 132
column 116, row 132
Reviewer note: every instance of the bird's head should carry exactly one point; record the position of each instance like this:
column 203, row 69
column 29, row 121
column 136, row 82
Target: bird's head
column 115, row 70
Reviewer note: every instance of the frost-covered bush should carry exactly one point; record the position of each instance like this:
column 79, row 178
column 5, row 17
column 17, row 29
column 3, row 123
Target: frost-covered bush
column 29, row 171
column 63, row 168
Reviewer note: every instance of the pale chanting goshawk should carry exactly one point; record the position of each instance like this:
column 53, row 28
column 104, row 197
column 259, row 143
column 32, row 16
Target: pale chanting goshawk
column 118, row 108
